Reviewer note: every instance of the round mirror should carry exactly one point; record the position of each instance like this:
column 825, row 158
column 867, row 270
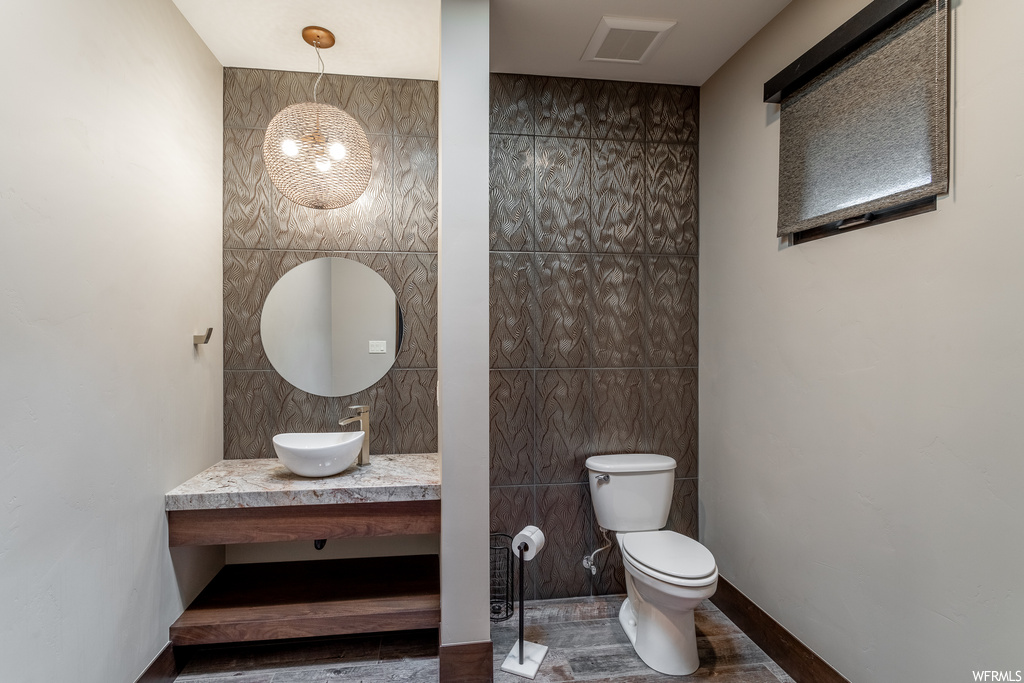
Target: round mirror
column 331, row 326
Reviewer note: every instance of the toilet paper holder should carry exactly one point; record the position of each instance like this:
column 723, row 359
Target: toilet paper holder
column 525, row 658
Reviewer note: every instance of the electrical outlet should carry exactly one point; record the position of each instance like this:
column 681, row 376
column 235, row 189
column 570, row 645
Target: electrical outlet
column 378, row 347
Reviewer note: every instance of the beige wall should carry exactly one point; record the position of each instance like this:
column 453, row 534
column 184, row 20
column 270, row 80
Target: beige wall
column 861, row 396
column 110, row 213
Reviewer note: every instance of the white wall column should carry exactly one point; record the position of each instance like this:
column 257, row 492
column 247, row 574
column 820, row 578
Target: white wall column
column 462, row 326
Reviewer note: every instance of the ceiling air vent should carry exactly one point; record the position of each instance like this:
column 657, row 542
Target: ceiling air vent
column 626, row 40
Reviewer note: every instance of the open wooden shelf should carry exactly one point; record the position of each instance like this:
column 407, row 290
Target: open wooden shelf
column 270, row 601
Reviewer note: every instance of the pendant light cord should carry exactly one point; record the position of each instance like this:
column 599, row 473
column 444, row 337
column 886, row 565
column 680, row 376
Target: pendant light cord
column 316, row 46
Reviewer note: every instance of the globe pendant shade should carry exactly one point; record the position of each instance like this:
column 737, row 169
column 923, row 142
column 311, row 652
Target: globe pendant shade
column 317, row 155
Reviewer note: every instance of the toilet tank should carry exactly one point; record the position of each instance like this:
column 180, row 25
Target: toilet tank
column 631, row 491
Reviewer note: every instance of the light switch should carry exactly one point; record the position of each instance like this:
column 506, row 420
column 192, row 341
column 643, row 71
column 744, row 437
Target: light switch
column 378, row 347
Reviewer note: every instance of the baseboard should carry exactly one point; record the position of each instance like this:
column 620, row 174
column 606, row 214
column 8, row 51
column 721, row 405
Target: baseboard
column 163, row 669
column 467, row 662
column 798, row 660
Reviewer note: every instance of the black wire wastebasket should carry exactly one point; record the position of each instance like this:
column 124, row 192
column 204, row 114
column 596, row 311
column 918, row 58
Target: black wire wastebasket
column 501, row 577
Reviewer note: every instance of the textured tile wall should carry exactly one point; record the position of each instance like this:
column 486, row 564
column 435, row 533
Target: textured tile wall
column 392, row 229
column 593, row 227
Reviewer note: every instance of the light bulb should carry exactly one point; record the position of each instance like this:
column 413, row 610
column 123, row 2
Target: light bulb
column 337, row 151
column 323, row 164
column 290, row 147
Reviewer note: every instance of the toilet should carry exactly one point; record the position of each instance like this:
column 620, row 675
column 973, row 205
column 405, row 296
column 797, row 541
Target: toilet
column 667, row 574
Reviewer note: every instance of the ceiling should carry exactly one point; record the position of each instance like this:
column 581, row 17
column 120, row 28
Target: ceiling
column 400, row 38
column 548, row 37
column 387, row 38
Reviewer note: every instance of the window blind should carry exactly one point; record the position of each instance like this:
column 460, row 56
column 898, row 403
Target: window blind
column 870, row 133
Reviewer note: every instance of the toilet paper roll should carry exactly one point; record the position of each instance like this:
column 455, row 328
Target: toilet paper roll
column 534, row 539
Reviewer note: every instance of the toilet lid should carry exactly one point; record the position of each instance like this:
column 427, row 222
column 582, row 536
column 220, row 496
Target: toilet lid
column 630, row 463
column 669, row 553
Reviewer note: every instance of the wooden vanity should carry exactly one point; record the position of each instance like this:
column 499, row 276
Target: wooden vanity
column 254, row 501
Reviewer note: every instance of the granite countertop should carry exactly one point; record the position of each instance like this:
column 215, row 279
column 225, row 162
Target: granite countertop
column 265, row 482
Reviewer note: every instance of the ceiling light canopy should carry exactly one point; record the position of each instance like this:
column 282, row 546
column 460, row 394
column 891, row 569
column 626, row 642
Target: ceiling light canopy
column 315, row 154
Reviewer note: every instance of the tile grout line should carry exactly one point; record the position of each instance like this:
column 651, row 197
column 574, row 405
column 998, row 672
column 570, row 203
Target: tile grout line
column 534, row 518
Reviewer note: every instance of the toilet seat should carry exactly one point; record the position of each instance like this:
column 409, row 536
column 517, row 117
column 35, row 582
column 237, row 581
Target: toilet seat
column 670, row 557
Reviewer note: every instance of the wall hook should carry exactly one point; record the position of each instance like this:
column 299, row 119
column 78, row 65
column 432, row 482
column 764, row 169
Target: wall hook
column 198, row 339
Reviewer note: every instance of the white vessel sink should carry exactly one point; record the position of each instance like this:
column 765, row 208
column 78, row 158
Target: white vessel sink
column 318, row 455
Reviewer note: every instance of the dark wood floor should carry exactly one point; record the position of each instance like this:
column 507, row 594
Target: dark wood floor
column 586, row 641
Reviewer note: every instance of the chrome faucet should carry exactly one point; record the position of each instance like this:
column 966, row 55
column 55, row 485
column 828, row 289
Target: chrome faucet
column 362, row 416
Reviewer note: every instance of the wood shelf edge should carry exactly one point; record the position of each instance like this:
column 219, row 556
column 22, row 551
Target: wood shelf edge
column 302, row 522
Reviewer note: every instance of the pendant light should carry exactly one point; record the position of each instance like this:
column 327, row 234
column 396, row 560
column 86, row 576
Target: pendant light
column 315, row 154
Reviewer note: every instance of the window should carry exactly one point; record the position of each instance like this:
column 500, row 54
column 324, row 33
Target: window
column 864, row 126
